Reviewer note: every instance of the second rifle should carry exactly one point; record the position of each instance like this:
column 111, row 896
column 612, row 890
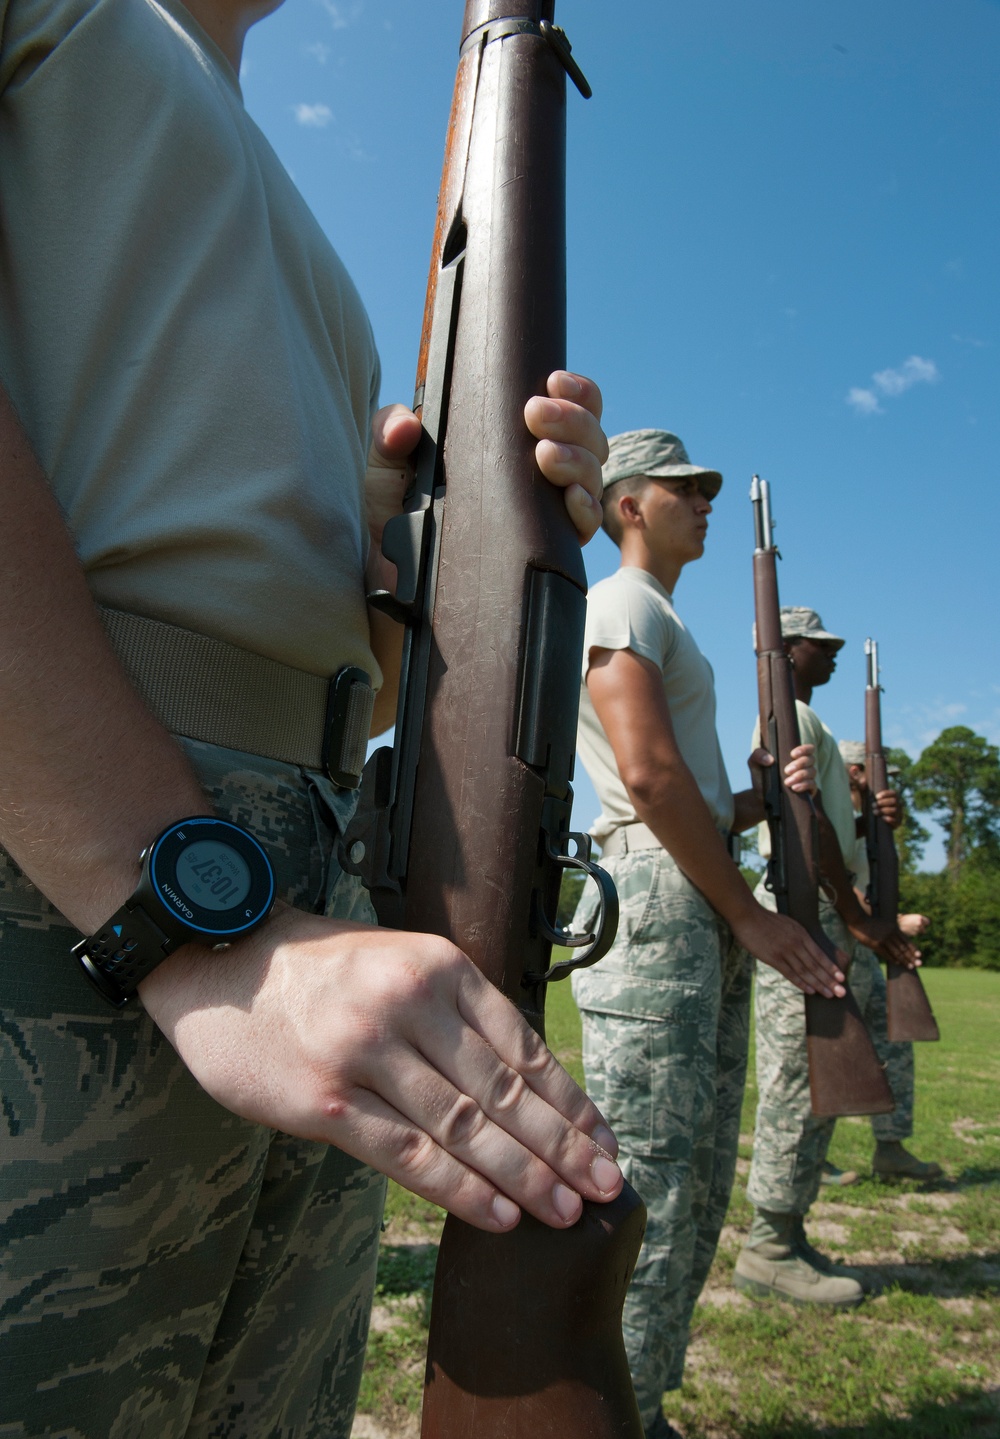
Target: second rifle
column 845, row 1076
column 909, row 1011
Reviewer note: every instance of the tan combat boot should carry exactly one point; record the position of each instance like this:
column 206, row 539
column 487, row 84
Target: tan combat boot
column 776, row 1263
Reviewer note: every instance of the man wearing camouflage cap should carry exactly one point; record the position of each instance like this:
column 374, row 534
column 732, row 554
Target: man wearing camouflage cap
column 891, row 1159
column 666, row 1013
column 790, row 1143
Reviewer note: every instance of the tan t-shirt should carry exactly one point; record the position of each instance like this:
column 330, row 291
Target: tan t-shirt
column 831, row 780
column 189, row 356
column 632, row 611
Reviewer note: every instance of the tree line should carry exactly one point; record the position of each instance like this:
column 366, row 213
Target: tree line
column 956, row 781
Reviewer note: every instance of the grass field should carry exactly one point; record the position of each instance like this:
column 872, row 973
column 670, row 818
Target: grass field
column 921, row 1359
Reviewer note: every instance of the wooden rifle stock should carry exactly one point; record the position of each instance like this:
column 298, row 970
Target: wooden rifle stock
column 845, row 1076
column 909, row 1011
column 463, row 828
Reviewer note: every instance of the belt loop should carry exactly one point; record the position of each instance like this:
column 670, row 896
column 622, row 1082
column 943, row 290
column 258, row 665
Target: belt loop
column 348, row 725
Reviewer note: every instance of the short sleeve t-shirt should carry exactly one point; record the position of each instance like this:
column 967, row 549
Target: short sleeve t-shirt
column 631, row 610
column 831, row 779
column 193, row 366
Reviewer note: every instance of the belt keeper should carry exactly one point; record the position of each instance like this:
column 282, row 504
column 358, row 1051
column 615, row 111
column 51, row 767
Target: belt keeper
column 348, row 724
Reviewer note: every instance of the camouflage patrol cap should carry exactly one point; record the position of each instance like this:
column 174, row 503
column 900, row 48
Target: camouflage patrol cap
column 656, row 453
column 799, row 623
column 852, row 751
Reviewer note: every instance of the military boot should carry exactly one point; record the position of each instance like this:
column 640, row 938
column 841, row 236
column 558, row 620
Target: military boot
column 773, row 1265
column 892, row 1161
column 818, row 1259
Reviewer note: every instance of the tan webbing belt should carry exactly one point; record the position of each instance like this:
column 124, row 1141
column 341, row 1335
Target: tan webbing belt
column 628, row 837
column 208, row 689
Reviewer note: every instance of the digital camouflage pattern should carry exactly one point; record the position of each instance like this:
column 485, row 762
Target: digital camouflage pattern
column 665, row 1034
column 657, row 453
column 170, row 1269
column 790, row 1143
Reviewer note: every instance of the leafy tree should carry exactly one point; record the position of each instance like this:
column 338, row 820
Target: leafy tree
column 911, row 836
column 957, row 779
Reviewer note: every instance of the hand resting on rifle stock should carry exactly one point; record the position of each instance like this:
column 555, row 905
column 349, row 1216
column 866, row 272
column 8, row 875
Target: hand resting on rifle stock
column 395, row 1048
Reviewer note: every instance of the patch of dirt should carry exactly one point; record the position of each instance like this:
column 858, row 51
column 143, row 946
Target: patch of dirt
column 387, row 1316
column 731, row 1238
column 937, row 1199
column 365, row 1427
column 723, row 1296
column 959, row 1306
column 964, row 1129
column 827, row 1230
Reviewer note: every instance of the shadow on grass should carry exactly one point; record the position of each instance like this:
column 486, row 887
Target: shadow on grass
column 977, row 1277
column 971, row 1178
column 970, row 1415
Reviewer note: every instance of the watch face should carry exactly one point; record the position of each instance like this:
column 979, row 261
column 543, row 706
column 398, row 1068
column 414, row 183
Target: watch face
column 212, row 877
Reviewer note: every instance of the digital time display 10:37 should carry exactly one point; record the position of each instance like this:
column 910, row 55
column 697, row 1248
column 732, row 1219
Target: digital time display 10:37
column 213, row 875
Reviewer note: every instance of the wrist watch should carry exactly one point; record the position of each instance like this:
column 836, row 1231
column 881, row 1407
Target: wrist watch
column 204, row 881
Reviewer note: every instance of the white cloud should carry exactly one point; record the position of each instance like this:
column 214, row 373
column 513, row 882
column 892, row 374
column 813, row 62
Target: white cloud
column 341, row 15
column 864, row 401
column 319, row 51
column 914, row 370
column 313, row 115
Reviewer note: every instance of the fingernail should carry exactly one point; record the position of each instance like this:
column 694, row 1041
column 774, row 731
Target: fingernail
column 563, row 452
column 566, row 1202
column 550, row 409
column 569, row 385
column 603, row 1137
column 505, row 1211
column 605, row 1173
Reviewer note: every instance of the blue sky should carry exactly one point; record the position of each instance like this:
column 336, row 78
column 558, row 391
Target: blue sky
column 783, row 230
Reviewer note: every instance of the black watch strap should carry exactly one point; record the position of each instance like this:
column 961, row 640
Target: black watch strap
column 118, row 958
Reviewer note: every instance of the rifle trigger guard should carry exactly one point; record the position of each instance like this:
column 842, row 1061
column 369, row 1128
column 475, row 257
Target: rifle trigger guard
column 594, row 945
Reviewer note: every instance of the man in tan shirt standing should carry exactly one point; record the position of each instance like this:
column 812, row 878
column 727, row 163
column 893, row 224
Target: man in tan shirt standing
column 666, row 1012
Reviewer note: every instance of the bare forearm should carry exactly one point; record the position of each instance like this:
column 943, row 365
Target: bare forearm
column 87, row 776
column 748, row 810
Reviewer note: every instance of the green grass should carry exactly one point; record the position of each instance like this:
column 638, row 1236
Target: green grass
column 921, row 1360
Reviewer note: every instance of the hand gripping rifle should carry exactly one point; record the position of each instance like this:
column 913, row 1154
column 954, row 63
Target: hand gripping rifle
column 909, row 1010
column 463, row 827
column 845, row 1076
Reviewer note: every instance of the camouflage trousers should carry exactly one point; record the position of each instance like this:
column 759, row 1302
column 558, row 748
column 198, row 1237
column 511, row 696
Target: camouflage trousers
column 169, row 1269
column 665, row 1033
column 790, row 1143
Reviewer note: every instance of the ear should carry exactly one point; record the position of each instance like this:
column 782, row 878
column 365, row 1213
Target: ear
column 629, row 511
